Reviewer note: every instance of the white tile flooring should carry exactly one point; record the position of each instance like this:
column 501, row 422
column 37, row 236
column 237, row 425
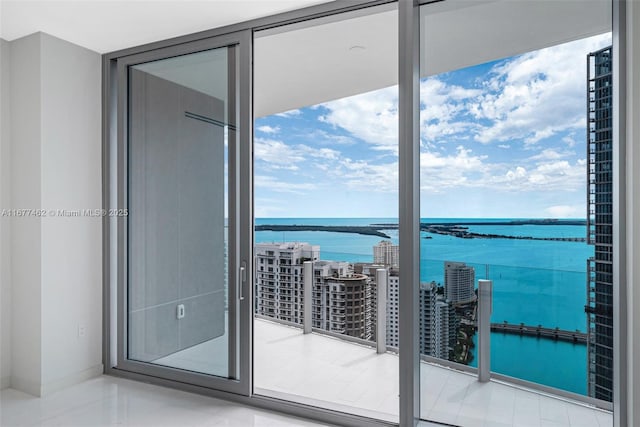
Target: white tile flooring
column 110, row 401
column 312, row 368
column 331, row 370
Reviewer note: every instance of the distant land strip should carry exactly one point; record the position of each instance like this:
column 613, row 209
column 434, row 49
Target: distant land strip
column 357, row 229
column 546, row 221
column 464, row 233
column 457, row 229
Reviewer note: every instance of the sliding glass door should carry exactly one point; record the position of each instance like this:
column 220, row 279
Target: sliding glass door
column 405, row 156
column 182, row 290
column 516, row 196
column 326, row 200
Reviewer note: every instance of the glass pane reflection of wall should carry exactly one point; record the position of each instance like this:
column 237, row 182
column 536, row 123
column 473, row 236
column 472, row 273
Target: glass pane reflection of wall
column 178, row 291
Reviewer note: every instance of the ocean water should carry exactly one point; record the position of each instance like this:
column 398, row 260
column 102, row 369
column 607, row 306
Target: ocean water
column 535, row 282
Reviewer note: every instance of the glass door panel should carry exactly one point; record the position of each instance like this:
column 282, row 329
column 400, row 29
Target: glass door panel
column 326, row 203
column 515, row 189
column 181, row 309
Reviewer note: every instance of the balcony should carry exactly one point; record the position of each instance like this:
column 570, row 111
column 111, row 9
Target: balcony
column 339, row 372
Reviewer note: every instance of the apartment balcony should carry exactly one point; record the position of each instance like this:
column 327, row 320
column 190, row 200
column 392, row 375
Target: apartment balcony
column 344, row 373
column 269, row 304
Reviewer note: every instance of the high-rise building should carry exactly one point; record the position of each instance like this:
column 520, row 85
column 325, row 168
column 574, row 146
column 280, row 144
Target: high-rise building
column 349, row 305
column 459, row 282
column 445, row 328
column 279, row 278
column 344, row 296
column 599, row 306
column 428, row 320
column 386, row 253
column 393, row 304
column 341, row 299
column 435, row 324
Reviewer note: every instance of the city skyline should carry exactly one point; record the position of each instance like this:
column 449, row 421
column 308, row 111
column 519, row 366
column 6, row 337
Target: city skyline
column 502, row 139
column 345, row 295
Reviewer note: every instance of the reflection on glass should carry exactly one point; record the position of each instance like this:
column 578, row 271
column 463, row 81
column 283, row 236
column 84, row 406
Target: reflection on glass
column 177, row 293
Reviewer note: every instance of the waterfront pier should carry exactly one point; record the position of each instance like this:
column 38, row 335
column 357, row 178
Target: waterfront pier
column 541, row 332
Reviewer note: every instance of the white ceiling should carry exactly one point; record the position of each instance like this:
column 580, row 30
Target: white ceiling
column 461, row 33
column 313, row 62
column 106, row 26
column 322, row 59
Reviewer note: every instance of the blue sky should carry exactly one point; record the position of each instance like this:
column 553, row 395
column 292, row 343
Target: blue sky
column 498, row 140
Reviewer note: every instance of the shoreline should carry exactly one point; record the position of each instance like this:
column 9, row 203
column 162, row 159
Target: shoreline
column 457, row 229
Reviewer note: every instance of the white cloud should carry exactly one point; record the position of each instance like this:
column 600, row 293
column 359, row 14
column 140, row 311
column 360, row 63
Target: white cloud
column 439, row 172
column 371, row 116
column 266, row 207
column 551, row 154
column 274, row 184
column 322, row 152
column 559, row 175
column 288, row 167
column 547, row 171
column 569, row 140
column 323, row 137
column 275, row 152
column 538, row 94
column 524, row 100
column 441, row 108
column 364, row 176
column 565, row 211
column 289, row 113
column 268, row 129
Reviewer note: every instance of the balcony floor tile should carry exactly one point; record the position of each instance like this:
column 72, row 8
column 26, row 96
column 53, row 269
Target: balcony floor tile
column 343, row 374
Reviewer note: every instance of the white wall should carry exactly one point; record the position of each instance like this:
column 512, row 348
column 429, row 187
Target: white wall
column 5, row 286
column 56, row 262
column 71, row 180
column 25, row 180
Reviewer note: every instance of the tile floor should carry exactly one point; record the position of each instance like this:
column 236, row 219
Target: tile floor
column 110, row 401
column 341, row 373
column 312, row 368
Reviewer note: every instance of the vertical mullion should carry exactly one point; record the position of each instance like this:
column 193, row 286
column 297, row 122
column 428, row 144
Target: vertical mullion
column 232, row 213
column 620, row 282
column 245, row 129
column 409, row 209
column 121, row 203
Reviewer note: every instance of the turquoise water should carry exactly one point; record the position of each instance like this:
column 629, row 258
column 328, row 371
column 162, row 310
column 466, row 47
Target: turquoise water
column 553, row 363
column 535, row 282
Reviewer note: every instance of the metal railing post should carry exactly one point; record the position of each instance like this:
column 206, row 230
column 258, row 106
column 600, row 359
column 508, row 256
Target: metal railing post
column 485, row 307
column 381, row 318
column 307, row 268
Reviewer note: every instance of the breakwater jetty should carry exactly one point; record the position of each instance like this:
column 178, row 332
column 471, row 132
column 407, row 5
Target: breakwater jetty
column 539, row 331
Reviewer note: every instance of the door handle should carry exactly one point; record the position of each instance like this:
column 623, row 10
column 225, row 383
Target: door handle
column 243, row 279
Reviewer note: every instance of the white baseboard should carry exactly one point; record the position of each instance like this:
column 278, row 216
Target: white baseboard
column 39, row 390
column 69, row 380
column 25, row 386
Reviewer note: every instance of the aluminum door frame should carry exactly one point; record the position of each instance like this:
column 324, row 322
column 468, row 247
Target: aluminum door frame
column 240, row 250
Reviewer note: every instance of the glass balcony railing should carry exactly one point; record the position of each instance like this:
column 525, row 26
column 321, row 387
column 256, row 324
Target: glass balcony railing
column 539, row 326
